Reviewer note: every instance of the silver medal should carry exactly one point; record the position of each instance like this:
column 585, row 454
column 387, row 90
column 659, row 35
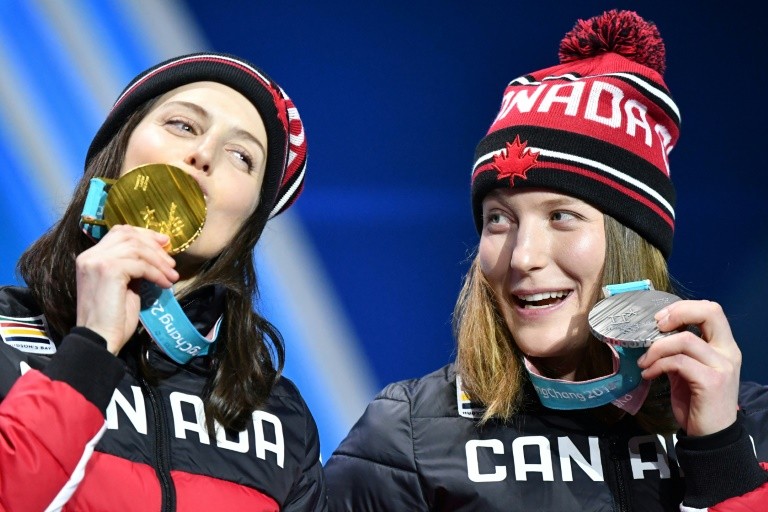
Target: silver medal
column 626, row 319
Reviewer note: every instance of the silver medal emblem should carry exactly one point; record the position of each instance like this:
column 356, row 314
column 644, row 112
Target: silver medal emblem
column 626, row 319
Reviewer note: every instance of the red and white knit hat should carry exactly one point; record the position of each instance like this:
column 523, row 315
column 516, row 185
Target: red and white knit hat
column 599, row 126
column 286, row 145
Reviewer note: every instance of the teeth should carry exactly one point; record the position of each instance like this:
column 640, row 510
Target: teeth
column 541, row 296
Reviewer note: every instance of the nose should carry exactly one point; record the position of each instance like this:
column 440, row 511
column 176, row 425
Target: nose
column 530, row 249
column 200, row 156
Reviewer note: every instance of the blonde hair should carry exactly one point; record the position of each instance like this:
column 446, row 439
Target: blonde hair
column 490, row 363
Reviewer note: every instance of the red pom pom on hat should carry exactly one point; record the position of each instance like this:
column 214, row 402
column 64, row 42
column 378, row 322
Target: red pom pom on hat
column 621, row 32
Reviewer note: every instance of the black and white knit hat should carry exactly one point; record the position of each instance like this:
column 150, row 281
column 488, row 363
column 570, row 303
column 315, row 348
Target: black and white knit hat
column 598, row 127
column 287, row 148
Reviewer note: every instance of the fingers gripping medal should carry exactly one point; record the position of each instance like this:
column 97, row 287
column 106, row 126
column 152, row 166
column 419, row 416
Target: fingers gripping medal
column 159, row 197
column 166, row 199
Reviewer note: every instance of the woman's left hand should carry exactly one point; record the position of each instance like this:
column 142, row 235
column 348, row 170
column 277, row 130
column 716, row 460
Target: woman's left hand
column 703, row 371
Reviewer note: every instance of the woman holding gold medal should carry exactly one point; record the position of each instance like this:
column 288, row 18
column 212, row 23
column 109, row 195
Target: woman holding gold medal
column 581, row 383
column 153, row 384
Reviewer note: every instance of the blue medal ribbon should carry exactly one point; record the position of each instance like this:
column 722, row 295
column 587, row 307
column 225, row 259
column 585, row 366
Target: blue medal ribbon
column 94, row 207
column 616, row 388
column 160, row 314
column 165, row 321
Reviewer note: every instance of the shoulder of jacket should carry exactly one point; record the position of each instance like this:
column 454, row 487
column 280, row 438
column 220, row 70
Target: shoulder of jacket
column 286, row 390
column 17, row 302
column 22, row 324
column 285, row 395
column 431, row 394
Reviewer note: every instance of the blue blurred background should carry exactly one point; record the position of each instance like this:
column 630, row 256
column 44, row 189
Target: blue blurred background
column 362, row 273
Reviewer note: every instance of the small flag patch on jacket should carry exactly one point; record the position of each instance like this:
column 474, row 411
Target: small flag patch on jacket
column 26, row 334
column 467, row 408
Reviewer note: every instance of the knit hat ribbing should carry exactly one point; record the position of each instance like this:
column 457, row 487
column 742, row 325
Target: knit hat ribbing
column 598, row 127
column 286, row 145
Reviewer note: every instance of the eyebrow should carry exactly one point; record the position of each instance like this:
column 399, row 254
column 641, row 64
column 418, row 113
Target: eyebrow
column 238, row 132
column 561, row 201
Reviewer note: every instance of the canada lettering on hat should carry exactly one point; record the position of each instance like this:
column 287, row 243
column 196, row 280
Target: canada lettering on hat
column 601, row 125
column 576, row 104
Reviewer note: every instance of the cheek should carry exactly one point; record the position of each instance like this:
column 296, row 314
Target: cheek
column 142, row 149
column 238, row 200
column 588, row 254
column 491, row 258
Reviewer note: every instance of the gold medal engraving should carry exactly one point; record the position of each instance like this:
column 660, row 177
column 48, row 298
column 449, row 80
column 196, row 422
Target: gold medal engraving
column 159, row 197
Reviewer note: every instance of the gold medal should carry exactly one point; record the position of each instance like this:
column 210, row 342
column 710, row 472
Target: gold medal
column 159, row 197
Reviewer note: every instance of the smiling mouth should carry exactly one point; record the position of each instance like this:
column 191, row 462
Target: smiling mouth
column 540, row 300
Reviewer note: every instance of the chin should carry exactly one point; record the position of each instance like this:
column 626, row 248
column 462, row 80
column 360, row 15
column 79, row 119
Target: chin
column 548, row 352
column 549, row 345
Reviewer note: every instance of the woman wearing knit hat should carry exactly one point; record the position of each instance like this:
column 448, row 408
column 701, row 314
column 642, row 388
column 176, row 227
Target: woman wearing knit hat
column 135, row 373
column 581, row 382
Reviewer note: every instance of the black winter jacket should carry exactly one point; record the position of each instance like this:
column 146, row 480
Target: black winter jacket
column 413, row 451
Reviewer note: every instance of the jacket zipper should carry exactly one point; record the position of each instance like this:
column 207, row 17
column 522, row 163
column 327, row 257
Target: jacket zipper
column 162, row 449
column 621, row 485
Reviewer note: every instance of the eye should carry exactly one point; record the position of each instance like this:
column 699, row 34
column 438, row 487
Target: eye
column 562, row 215
column 182, row 125
column 493, row 218
column 243, row 158
column 496, row 220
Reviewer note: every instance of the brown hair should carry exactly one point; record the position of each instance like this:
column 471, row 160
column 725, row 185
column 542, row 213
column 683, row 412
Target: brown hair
column 490, row 363
column 246, row 363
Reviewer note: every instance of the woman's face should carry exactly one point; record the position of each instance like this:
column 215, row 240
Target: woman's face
column 542, row 253
column 217, row 136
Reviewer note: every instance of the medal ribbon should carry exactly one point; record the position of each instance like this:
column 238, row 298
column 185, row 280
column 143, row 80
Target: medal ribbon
column 165, row 321
column 624, row 387
column 160, row 314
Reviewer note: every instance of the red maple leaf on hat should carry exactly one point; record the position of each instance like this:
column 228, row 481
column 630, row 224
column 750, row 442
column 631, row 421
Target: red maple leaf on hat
column 514, row 160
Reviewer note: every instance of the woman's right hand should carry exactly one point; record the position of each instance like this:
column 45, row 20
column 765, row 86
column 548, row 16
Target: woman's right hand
column 108, row 277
